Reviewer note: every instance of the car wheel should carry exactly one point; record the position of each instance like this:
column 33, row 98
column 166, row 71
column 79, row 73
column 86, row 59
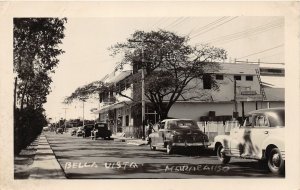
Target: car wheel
column 275, row 162
column 221, row 156
column 169, row 149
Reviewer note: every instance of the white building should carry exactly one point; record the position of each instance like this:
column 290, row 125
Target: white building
column 240, row 90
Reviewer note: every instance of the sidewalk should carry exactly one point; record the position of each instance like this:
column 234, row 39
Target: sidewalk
column 45, row 165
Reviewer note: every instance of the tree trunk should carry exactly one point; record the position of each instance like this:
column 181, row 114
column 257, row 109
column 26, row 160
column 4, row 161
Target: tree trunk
column 23, row 96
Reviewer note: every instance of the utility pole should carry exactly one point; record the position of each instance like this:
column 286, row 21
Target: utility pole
column 65, row 118
column 83, row 100
column 235, row 102
column 143, row 85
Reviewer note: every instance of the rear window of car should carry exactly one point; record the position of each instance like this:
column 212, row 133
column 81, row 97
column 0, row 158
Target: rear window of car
column 276, row 118
column 183, row 124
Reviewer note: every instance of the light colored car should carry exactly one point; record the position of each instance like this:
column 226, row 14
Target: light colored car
column 261, row 138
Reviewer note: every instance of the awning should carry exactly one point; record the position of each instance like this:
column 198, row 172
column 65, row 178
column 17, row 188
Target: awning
column 112, row 106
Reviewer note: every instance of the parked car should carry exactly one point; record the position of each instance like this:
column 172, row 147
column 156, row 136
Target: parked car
column 79, row 132
column 261, row 137
column 73, row 131
column 174, row 133
column 87, row 130
column 100, row 130
column 59, row 130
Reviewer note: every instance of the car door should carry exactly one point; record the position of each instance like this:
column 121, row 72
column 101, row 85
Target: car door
column 161, row 134
column 259, row 132
column 237, row 140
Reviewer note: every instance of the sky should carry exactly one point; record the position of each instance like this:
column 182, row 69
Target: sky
column 87, row 58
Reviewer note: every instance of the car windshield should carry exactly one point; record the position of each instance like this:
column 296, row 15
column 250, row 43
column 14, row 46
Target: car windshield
column 183, row 124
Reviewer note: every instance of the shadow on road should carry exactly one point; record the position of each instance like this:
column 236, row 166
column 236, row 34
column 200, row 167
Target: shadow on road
column 158, row 164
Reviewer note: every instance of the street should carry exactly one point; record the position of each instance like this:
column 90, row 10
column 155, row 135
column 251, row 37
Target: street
column 101, row 159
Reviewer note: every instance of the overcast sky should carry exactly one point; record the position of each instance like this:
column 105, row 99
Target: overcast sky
column 87, row 40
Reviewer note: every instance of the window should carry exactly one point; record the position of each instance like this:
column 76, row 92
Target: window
column 261, row 121
column 249, row 78
column 207, row 81
column 237, row 77
column 219, row 77
column 162, row 125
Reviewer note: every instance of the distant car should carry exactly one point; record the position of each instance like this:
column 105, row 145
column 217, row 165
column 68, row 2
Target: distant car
column 73, row 131
column 59, row 130
column 100, row 130
column 79, row 132
column 87, row 130
column 261, row 138
column 45, row 128
column 175, row 133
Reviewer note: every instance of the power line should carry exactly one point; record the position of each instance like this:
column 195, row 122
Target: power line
column 214, row 27
column 275, row 54
column 262, row 51
column 180, row 22
column 246, row 33
column 177, row 20
column 207, row 25
column 158, row 22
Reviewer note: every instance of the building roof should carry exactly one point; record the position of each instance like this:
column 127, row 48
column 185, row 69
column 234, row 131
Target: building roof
column 273, row 81
column 238, row 68
column 119, row 76
column 274, row 94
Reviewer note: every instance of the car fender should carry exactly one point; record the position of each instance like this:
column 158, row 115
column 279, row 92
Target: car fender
column 272, row 141
column 223, row 139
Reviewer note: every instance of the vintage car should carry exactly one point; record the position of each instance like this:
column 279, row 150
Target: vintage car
column 59, row 130
column 175, row 133
column 261, row 138
column 87, row 129
column 73, row 131
column 79, row 131
column 100, row 130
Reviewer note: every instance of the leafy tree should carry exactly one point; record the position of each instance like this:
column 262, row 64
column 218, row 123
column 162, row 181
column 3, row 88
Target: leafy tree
column 172, row 67
column 36, row 50
column 88, row 91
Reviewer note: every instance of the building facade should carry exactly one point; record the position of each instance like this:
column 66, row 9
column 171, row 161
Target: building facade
column 241, row 90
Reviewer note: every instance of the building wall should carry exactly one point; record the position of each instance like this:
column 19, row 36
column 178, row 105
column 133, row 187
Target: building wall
column 194, row 110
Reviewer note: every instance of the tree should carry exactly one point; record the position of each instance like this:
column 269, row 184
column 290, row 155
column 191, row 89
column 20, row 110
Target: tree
column 36, row 50
column 36, row 54
column 172, row 67
column 87, row 91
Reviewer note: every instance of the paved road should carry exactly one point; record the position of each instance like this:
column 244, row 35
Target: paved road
column 86, row 158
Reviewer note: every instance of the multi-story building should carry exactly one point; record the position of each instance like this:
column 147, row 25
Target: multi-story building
column 241, row 90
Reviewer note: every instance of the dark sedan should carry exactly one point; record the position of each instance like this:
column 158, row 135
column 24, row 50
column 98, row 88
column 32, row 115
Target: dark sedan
column 175, row 133
column 101, row 130
column 87, row 129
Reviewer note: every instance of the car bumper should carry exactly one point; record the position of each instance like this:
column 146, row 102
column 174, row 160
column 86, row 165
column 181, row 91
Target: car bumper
column 203, row 144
